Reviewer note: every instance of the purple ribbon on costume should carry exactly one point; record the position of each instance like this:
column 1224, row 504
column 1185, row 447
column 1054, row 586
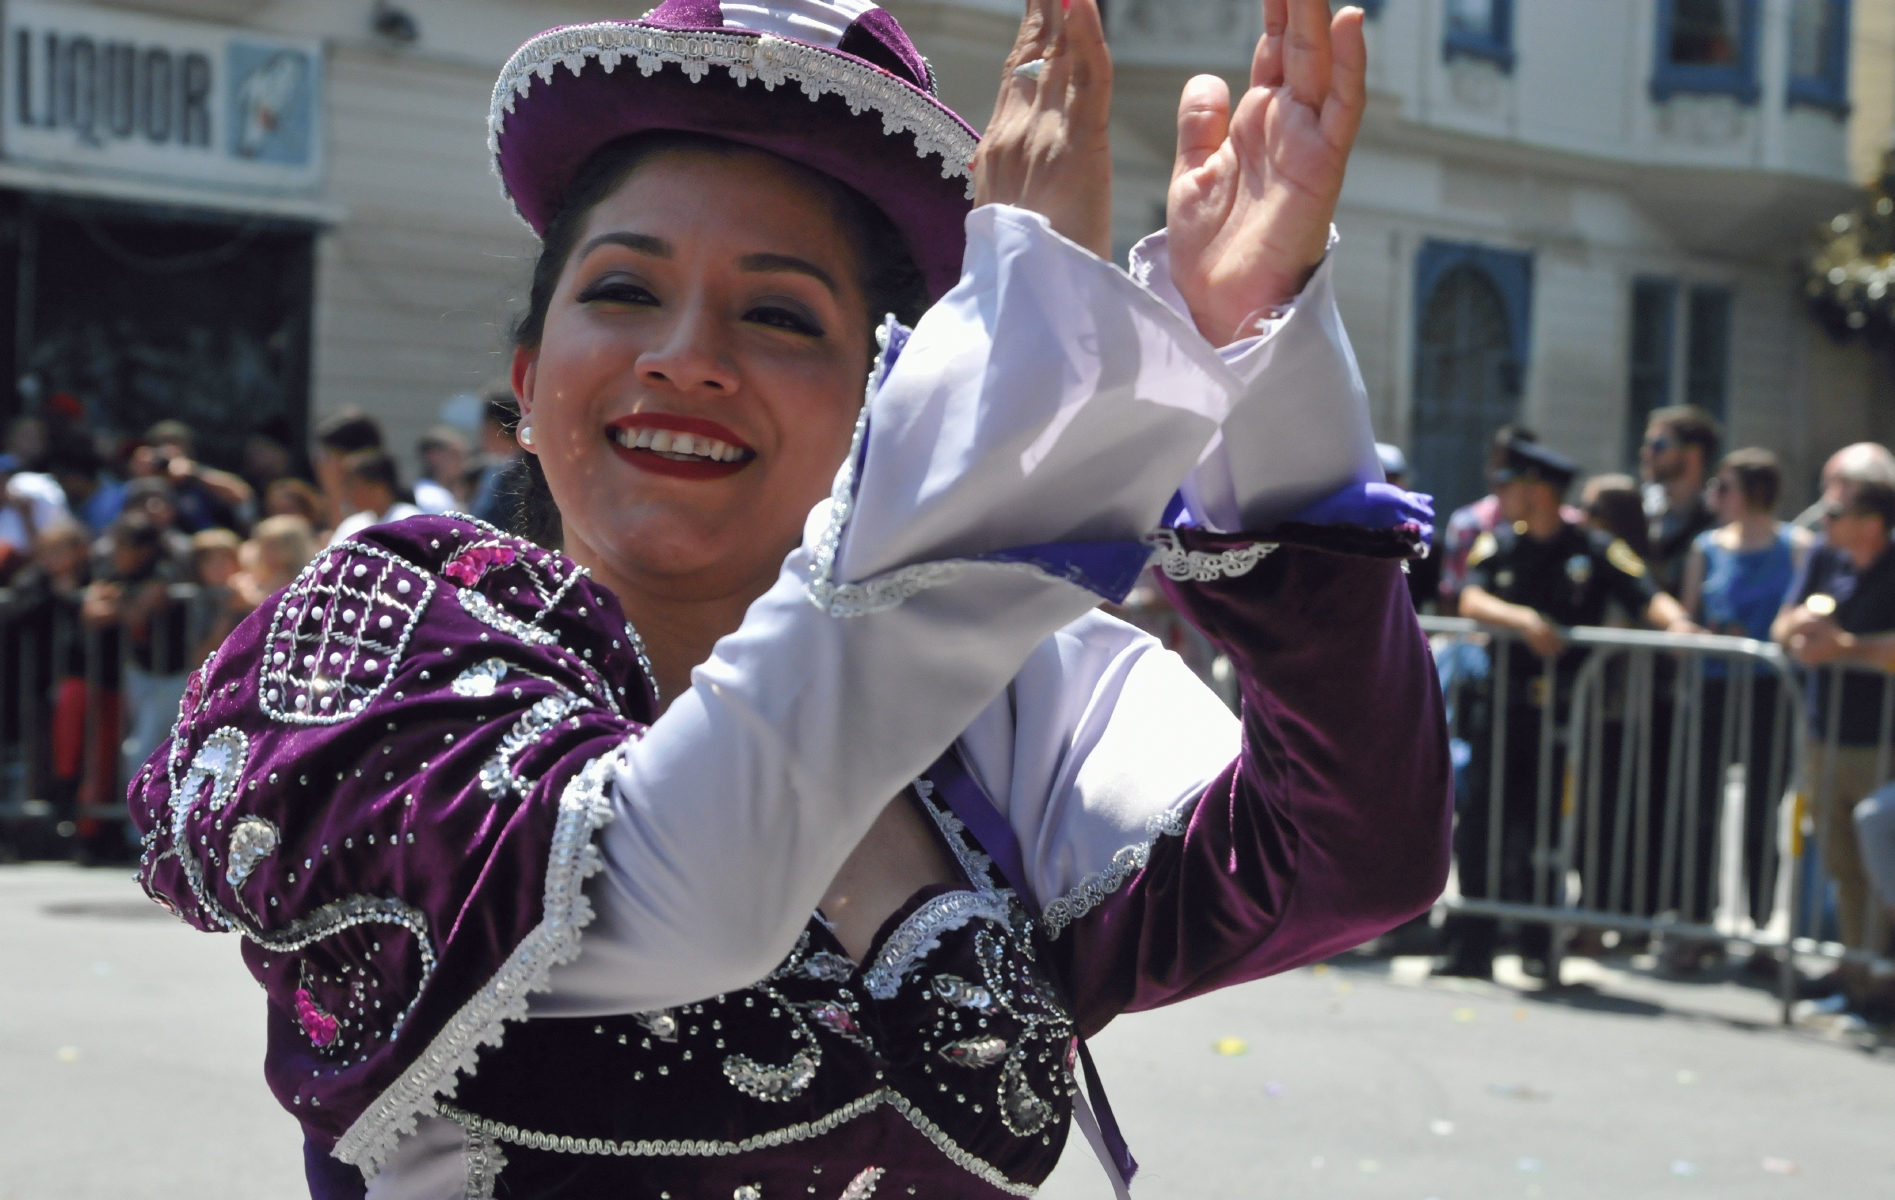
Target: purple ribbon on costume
column 969, row 801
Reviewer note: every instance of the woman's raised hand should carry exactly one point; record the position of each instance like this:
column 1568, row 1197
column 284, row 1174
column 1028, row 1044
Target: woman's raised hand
column 1047, row 148
column 1254, row 190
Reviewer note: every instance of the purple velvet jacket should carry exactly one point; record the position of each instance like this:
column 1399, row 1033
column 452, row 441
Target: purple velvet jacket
column 366, row 782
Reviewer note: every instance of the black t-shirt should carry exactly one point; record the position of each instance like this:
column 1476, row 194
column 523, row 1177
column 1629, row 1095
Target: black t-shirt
column 1865, row 604
column 1568, row 578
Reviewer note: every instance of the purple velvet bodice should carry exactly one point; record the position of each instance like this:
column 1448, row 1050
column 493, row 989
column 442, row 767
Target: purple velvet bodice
column 948, row 1038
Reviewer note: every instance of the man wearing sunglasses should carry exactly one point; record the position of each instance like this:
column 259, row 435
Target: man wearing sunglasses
column 1675, row 460
column 1841, row 612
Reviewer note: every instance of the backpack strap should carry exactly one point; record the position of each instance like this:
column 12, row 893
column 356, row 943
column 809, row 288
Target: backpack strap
column 969, row 802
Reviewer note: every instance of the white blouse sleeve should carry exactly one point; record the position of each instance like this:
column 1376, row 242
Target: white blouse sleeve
column 1300, row 428
column 1026, row 436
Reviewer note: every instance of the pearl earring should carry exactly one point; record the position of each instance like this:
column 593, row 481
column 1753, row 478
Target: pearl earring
column 526, row 436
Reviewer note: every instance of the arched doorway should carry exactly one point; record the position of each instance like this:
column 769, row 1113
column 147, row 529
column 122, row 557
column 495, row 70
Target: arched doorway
column 1468, row 372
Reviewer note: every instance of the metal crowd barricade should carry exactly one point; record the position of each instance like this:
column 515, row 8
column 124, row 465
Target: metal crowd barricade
column 1669, row 792
column 65, row 710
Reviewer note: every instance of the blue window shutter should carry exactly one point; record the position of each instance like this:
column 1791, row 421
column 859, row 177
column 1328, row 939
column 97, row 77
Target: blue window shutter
column 1828, row 88
column 1737, row 79
column 1495, row 46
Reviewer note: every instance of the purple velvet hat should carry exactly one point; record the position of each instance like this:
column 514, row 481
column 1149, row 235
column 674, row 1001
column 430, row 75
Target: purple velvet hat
column 864, row 110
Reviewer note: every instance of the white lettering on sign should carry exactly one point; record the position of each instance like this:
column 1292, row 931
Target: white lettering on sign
column 127, row 94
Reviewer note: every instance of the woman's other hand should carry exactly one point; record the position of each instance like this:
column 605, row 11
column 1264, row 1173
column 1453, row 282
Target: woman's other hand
column 1254, row 190
column 1047, row 148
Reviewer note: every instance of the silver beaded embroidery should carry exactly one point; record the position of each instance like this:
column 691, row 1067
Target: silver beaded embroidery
column 763, row 1082
column 952, row 989
column 584, row 808
column 513, row 1135
column 920, row 935
column 328, row 653
column 487, row 612
column 1197, row 566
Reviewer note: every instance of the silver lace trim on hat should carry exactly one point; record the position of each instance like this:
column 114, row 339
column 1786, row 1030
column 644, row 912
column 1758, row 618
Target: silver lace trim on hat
column 746, row 56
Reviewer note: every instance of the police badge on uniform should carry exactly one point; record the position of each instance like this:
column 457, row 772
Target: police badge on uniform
column 1579, row 569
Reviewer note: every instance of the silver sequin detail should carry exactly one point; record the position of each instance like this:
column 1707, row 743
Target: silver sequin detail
column 480, row 680
column 765, row 1082
column 826, row 967
column 957, row 991
column 496, row 775
column 1197, row 566
column 862, row 1187
column 975, row 1053
column 252, row 840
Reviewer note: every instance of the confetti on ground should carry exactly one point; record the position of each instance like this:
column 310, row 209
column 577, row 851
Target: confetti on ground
column 1464, row 1014
column 1517, row 1091
column 1687, row 1076
column 1344, row 987
column 68, row 1054
column 1441, row 1128
column 1231, row 1047
column 1779, row 1166
column 1531, row 1166
column 1368, row 1166
column 1519, row 1014
column 1319, row 970
column 1273, row 1089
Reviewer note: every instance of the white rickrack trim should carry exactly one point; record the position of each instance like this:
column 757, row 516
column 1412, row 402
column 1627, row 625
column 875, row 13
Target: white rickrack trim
column 885, row 591
column 583, row 810
column 1091, row 891
column 747, row 56
column 1198, row 566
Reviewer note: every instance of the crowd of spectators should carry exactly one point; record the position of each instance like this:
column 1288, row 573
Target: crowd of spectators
column 1705, row 530
column 124, row 565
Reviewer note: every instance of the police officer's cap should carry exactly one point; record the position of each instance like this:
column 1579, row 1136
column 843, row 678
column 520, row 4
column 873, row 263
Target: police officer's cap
column 1531, row 462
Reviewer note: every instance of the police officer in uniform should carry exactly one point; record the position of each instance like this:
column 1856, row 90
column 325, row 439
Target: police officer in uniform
column 1535, row 574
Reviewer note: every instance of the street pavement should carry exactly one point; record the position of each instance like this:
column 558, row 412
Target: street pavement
column 130, row 1052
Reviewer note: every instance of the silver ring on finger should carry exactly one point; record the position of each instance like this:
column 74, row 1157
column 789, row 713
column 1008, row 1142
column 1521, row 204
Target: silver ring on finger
column 1030, row 70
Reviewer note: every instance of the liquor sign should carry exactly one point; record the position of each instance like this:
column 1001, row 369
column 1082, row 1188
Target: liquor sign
column 115, row 92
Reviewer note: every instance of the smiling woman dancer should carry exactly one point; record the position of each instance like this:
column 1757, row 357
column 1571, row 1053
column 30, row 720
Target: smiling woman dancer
column 531, row 895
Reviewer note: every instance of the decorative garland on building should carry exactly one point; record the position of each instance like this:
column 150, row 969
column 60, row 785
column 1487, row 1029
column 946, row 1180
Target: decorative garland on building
column 1850, row 275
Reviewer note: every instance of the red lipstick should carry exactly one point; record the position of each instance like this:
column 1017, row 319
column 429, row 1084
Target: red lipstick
column 710, row 450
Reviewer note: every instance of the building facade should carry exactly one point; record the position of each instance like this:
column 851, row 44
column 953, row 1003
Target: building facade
column 1568, row 215
column 1563, row 214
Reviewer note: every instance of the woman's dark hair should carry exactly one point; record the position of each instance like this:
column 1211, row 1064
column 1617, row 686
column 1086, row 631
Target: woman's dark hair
column 890, row 281
column 1758, row 474
column 1616, row 505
